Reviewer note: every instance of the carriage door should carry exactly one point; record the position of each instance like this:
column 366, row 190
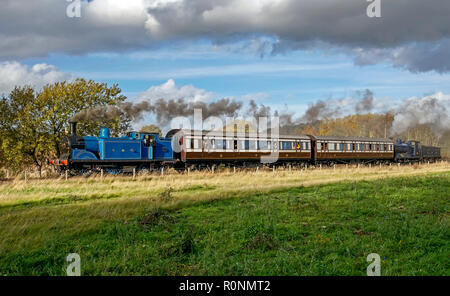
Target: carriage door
column 313, row 149
column 149, row 143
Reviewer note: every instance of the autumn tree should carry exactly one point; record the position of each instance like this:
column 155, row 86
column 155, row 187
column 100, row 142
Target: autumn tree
column 60, row 101
column 33, row 124
column 24, row 140
column 151, row 128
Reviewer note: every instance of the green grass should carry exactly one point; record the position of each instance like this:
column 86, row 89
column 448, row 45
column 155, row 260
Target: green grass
column 316, row 230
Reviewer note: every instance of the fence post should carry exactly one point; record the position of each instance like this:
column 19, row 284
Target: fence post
column 162, row 171
column 134, row 173
column 234, row 169
column 67, row 174
column 188, row 171
column 7, row 174
column 25, row 176
column 101, row 174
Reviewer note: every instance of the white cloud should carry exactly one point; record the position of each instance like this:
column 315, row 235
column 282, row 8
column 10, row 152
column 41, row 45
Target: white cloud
column 260, row 96
column 171, row 91
column 221, row 70
column 16, row 74
column 118, row 12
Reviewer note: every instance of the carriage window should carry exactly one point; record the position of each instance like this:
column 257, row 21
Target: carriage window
column 196, row 143
column 285, row 145
column 354, row 147
column 247, row 145
column 262, row 145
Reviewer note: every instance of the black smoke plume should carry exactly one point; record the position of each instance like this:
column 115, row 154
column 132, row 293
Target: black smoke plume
column 164, row 110
column 366, row 103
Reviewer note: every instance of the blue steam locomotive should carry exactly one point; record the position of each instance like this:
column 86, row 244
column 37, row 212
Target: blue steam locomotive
column 134, row 150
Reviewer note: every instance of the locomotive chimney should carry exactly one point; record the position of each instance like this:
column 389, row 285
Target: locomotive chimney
column 73, row 128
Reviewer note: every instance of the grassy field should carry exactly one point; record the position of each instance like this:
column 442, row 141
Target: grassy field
column 314, row 222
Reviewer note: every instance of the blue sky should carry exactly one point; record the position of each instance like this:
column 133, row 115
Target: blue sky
column 295, row 78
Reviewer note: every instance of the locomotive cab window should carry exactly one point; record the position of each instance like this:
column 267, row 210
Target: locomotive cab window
column 149, row 140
